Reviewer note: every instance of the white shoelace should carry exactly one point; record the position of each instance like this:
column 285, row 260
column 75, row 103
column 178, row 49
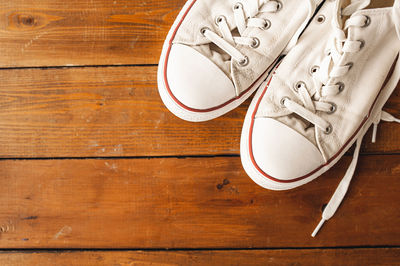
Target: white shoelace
column 245, row 13
column 343, row 186
column 331, row 69
column 350, row 46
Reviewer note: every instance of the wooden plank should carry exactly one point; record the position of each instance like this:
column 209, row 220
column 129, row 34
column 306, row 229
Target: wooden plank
column 369, row 256
column 189, row 203
column 116, row 111
column 75, row 32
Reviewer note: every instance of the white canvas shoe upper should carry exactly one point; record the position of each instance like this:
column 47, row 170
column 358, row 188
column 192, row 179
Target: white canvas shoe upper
column 219, row 51
column 323, row 97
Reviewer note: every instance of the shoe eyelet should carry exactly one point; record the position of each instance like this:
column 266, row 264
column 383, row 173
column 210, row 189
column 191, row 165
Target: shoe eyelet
column 256, row 43
column 280, row 5
column 362, row 44
column 267, row 25
column 328, row 130
column 244, row 61
column 333, row 108
column 203, row 30
column 367, row 22
column 238, row 6
column 314, row 69
column 219, row 19
column 341, row 86
column 298, row 85
column 283, row 100
column 321, row 19
column 350, row 65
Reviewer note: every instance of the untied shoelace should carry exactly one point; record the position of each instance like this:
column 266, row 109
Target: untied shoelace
column 343, row 186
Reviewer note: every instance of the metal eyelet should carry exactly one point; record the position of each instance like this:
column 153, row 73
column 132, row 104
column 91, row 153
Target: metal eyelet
column 283, row 100
column 367, row 22
column 219, row 19
column 328, row 130
column 341, row 86
column 314, row 69
column 298, row 85
column 280, row 5
column 321, row 19
column 333, row 108
column 203, row 30
column 267, row 25
column 244, row 61
column 238, row 6
column 255, row 43
column 350, row 65
column 362, row 43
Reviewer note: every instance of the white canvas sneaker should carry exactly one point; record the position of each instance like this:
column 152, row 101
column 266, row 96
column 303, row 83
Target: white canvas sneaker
column 323, row 97
column 218, row 52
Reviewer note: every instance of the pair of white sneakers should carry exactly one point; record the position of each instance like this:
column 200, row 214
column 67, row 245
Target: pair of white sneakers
column 341, row 65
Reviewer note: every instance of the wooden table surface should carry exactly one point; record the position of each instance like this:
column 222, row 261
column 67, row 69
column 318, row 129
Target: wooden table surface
column 94, row 169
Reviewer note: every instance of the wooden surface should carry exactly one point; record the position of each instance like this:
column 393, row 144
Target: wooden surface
column 189, row 203
column 382, row 256
column 76, row 32
column 91, row 159
column 116, row 111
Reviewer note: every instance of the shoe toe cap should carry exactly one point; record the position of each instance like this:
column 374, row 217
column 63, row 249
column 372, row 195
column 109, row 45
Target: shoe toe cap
column 195, row 81
column 281, row 152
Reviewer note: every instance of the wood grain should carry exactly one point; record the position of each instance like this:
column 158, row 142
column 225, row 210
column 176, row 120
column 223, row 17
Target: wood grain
column 189, row 203
column 75, row 32
column 107, row 110
column 116, row 111
column 382, row 256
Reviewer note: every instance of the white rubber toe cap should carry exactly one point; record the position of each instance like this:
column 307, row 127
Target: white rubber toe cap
column 281, row 152
column 195, row 81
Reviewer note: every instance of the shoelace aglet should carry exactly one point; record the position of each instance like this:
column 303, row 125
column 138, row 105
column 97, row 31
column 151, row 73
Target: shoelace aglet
column 374, row 132
column 316, row 230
